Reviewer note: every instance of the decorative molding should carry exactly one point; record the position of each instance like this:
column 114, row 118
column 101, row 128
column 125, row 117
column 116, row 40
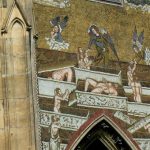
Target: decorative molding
column 54, row 3
column 55, row 69
column 67, row 121
column 47, row 86
column 110, row 2
column 63, row 146
column 138, row 109
column 138, row 125
column 45, row 146
column 83, row 74
column 145, row 90
column 143, row 143
column 87, row 99
column 120, row 115
column 96, row 118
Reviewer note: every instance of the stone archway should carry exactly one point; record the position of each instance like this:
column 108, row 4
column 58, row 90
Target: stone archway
column 103, row 136
column 104, row 131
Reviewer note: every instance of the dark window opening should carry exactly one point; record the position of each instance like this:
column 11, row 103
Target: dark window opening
column 103, row 137
column 97, row 144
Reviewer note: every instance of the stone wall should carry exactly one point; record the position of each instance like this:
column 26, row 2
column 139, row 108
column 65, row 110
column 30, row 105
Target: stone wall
column 16, row 99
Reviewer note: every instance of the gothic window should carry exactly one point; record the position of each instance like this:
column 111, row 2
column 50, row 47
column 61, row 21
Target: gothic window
column 103, row 136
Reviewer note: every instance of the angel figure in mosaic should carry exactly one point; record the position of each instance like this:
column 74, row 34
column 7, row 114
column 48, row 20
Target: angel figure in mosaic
column 103, row 42
column 56, row 41
column 137, row 45
column 54, row 133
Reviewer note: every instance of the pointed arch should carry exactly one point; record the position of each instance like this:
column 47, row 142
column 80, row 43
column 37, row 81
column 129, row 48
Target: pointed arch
column 20, row 15
column 16, row 30
column 18, row 47
column 17, row 20
column 100, row 117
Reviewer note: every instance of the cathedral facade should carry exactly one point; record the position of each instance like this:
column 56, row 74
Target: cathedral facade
column 74, row 75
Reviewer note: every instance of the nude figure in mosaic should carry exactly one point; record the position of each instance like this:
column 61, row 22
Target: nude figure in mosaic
column 101, row 87
column 83, row 59
column 131, row 71
column 59, row 96
column 63, row 74
column 137, row 89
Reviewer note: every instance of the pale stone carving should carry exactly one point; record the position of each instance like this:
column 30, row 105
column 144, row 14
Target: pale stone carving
column 145, row 90
column 143, row 143
column 48, row 86
column 67, row 121
column 139, row 124
column 97, row 75
column 55, row 3
column 87, row 99
column 120, row 115
column 138, row 109
column 45, row 146
column 147, row 56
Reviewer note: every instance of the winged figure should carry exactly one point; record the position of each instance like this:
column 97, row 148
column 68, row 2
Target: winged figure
column 58, row 26
column 137, row 41
column 56, row 41
column 103, row 42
